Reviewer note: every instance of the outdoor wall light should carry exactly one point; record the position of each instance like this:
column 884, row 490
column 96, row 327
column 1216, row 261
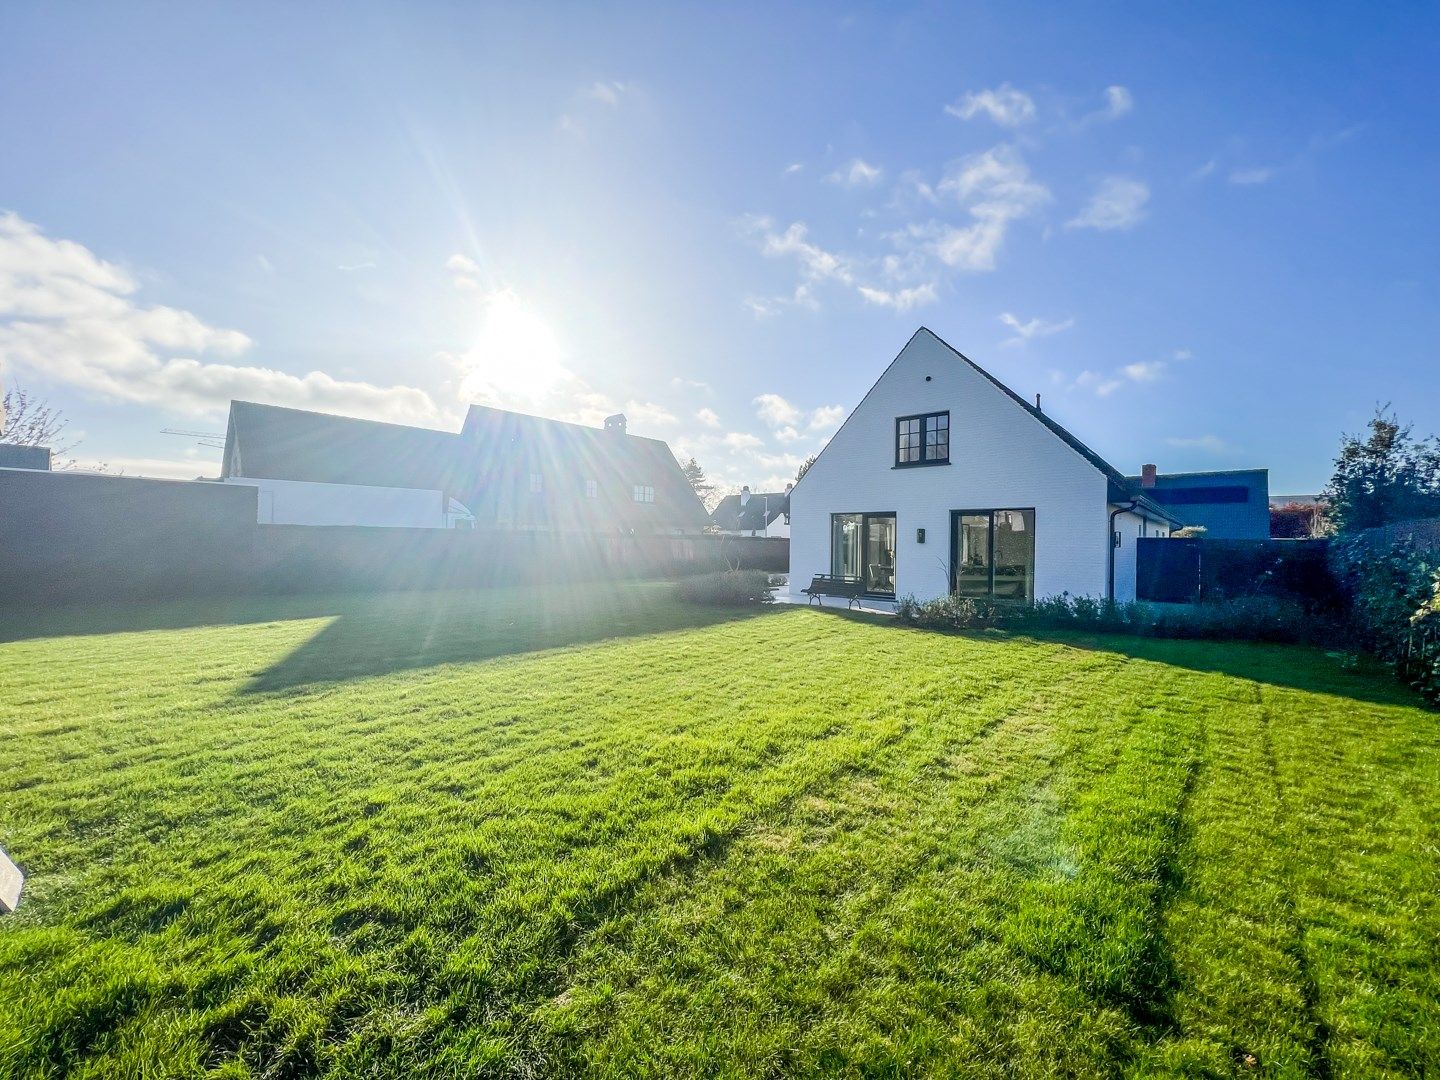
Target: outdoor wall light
column 919, row 536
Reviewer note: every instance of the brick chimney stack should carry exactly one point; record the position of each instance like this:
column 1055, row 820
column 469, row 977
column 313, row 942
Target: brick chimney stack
column 1147, row 476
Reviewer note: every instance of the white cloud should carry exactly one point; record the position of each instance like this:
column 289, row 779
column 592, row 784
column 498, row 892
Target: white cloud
column 1118, row 101
column 1253, row 174
column 1141, row 371
column 856, row 173
column 739, row 440
column 607, row 93
column 816, row 263
column 1144, row 370
column 648, row 414
column 1205, row 170
column 900, row 299
column 708, row 417
column 67, row 316
column 1118, row 203
column 1103, row 385
column 791, row 169
column 996, row 188
column 775, row 410
column 1034, row 328
column 161, row 468
column 826, row 418
column 788, row 434
column 1210, row 444
column 462, row 264
column 1005, row 105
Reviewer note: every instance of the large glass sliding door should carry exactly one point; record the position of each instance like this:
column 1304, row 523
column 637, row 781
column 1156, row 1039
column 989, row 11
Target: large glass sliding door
column 862, row 546
column 993, row 554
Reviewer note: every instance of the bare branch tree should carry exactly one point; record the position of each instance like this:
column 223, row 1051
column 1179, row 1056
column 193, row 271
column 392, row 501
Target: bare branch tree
column 31, row 422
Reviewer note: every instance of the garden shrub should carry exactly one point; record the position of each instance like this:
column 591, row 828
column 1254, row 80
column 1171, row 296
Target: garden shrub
column 726, row 588
column 1253, row 618
column 1390, row 580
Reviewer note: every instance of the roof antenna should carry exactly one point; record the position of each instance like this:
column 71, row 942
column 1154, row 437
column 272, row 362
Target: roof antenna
column 1037, row 402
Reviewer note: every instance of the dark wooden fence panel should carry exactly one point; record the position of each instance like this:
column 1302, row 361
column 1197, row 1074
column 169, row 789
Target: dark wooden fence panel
column 1189, row 570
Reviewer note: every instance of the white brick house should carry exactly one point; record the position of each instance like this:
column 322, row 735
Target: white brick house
column 943, row 479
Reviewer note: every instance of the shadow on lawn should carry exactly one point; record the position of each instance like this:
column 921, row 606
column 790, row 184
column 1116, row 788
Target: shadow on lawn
column 408, row 631
column 1293, row 667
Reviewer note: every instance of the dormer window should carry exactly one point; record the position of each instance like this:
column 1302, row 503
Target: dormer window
column 922, row 440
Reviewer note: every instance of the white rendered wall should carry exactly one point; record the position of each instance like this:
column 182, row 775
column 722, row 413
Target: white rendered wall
column 297, row 502
column 1001, row 457
column 1131, row 528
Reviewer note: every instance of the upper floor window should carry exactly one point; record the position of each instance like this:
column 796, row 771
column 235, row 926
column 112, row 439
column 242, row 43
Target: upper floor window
column 923, row 440
column 644, row 493
column 592, row 489
column 537, row 483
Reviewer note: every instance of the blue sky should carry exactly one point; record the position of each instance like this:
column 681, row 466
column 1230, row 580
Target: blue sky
column 1206, row 234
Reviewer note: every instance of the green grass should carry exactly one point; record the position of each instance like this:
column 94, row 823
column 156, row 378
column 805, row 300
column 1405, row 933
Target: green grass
column 592, row 831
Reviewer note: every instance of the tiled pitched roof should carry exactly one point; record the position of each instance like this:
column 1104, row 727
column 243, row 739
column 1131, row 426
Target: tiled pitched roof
column 480, row 465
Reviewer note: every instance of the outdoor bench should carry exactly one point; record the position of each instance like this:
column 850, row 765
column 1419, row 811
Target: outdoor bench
column 829, row 585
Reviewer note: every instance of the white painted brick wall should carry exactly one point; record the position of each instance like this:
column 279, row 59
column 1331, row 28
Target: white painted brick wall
column 1000, row 457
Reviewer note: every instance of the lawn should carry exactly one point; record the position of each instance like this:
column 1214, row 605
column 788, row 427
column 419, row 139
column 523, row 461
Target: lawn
column 593, row 831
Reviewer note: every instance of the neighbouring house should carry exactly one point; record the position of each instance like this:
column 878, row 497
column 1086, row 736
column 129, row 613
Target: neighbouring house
column 17, row 456
column 502, row 470
column 944, row 480
column 1232, row 504
column 765, row 513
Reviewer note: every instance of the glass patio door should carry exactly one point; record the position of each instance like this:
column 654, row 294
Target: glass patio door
column 971, row 558
column 880, row 553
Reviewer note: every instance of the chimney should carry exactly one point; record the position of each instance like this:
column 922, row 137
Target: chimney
column 1147, row 476
column 744, row 494
column 788, row 487
column 615, row 423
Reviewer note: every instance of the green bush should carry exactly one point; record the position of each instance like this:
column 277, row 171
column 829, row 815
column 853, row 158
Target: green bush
column 1254, row 618
column 727, row 588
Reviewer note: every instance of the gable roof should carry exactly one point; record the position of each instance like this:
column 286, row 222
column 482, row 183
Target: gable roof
column 754, row 515
column 272, row 442
column 1119, row 489
column 493, row 438
column 478, row 465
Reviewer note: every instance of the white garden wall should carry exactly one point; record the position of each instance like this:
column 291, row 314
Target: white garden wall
column 296, row 502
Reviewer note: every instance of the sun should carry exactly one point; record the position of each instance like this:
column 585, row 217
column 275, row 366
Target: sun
column 515, row 359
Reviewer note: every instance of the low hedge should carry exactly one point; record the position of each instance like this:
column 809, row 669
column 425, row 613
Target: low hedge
column 727, row 588
column 1254, row 618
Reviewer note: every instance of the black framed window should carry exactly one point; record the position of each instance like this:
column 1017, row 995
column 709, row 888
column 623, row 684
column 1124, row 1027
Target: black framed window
column 644, row 493
column 992, row 554
column 922, row 440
